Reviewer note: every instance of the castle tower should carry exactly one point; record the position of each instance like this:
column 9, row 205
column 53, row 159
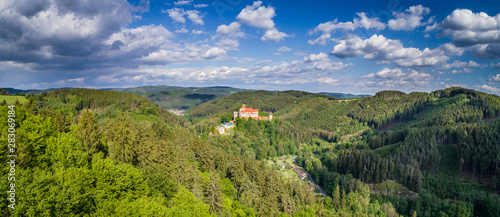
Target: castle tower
column 235, row 114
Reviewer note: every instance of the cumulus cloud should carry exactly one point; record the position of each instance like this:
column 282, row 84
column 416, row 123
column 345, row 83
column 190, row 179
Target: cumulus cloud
column 195, row 17
column 496, row 65
column 54, row 34
column 361, row 22
column 274, row 35
column 486, row 51
column 231, row 29
column 378, row 47
column 478, row 30
column 286, row 73
column 322, row 62
column 257, row 16
column 495, row 78
column 198, row 32
column 228, row 44
column 134, row 43
column 316, row 57
column 410, row 19
column 327, row 28
column 261, row 17
column 183, row 2
column 71, row 81
column 181, row 30
column 321, row 40
column 488, row 88
column 179, row 15
column 201, row 5
column 284, row 49
column 213, row 53
column 391, row 78
column 460, row 64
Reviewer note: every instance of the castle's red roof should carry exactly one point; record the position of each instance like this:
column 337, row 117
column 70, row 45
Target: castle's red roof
column 248, row 110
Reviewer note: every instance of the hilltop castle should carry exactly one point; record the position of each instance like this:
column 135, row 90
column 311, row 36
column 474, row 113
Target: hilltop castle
column 250, row 113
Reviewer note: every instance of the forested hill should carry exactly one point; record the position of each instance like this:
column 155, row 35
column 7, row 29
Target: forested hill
column 173, row 97
column 442, row 145
column 263, row 100
column 85, row 152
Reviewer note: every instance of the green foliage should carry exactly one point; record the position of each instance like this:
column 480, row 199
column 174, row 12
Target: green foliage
column 103, row 153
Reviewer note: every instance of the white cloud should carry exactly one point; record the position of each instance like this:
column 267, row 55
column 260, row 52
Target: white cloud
column 448, row 85
column 183, row 2
column 495, row 78
column 321, row 40
column 458, row 71
column 71, row 81
column 386, row 73
column 327, row 28
column 478, row 30
column 228, row 44
column 488, row 88
column 177, row 14
column 362, row 22
column 396, row 78
column 496, row 65
column 201, row 5
column 284, row 49
column 274, row 35
column 262, row 17
column 231, row 29
column 51, row 34
column 486, row 51
column 316, row 57
column 195, row 17
column 182, row 30
column 329, row 81
column 198, row 32
column 262, row 62
column 459, row 64
column 410, row 19
column 322, row 62
column 213, row 53
column 257, row 16
column 377, row 47
column 143, row 37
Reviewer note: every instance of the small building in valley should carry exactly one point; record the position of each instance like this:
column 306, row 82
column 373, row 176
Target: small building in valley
column 300, row 172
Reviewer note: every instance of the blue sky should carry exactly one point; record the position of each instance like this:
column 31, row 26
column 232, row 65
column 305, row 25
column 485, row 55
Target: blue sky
column 352, row 46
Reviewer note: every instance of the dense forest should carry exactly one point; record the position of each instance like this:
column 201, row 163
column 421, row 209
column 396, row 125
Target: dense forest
column 84, row 152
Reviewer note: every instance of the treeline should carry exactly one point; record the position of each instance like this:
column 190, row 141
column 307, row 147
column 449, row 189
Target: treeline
column 263, row 100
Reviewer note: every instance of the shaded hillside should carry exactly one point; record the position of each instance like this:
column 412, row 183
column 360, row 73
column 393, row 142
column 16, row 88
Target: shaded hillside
column 173, row 97
column 344, row 95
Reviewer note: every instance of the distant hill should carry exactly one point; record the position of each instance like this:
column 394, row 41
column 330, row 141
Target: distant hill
column 344, row 95
column 29, row 91
column 174, row 97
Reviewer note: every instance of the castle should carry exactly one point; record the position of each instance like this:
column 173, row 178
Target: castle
column 250, row 113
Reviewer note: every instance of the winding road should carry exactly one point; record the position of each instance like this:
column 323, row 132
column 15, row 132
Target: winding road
column 311, row 179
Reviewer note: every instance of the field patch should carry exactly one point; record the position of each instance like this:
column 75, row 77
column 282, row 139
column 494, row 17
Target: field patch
column 12, row 99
